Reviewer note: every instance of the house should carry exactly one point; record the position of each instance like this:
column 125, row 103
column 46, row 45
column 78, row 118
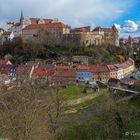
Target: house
column 83, row 74
column 137, row 75
column 5, row 79
column 100, row 73
column 127, row 82
column 113, row 71
column 7, row 36
column 113, row 82
column 110, row 35
column 119, row 71
column 49, row 33
column 7, row 62
column 65, row 76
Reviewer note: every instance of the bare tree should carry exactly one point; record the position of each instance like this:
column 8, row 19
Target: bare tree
column 29, row 113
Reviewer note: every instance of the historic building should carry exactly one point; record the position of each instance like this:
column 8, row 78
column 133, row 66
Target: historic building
column 17, row 28
column 110, row 35
column 53, row 32
column 47, row 34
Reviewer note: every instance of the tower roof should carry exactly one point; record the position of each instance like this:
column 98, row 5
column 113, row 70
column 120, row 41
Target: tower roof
column 21, row 17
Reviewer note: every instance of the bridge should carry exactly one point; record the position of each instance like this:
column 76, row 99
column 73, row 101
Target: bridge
column 124, row 90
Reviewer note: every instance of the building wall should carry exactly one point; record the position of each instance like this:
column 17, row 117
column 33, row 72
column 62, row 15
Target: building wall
column 84, row 75
column 119, row 73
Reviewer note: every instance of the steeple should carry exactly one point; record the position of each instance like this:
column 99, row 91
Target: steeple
column 114, row 28
column 21, row 17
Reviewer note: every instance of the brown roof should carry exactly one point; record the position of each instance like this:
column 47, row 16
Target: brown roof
column 113, row 29
column 47, row 25
column 81, row 29
column 99, row 69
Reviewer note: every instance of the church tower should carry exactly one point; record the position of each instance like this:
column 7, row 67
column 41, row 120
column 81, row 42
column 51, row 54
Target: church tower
column 21, row 17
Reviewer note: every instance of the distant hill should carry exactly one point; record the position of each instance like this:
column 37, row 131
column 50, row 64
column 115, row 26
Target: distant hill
column 137, row 38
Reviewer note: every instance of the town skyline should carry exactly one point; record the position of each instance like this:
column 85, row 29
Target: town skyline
column 124, row 14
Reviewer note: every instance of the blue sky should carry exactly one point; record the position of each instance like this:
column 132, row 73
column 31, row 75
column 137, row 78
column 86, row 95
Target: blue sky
column 124, row 13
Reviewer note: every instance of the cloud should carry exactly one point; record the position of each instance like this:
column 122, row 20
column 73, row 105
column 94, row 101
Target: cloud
column 118, row 27
column 130, row 26
column 73, row 12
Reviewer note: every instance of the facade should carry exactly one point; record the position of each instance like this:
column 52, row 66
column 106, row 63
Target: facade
column 100, row 73
column 113, row 71
column 49, row 33
column 119, row 73
column 7, row 36
column 110, row 35
column 83, row 74
column 17, row 28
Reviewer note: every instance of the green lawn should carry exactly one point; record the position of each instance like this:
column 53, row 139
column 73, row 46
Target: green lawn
column 71, row 92
column 134, row 104
column 86, row 104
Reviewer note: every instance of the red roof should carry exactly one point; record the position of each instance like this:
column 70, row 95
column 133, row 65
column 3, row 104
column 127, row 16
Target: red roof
column 113, row 29
column 39, row 72
column 99, row 69
column 62, row 67
column 112, row 67
column 124, row 65
column 83, row 68
column 47, row 25
column 71, row 74
column 81, row 29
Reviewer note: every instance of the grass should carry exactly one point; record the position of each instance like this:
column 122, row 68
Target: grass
column 134, row 104
column 86, row 104
column 134, row 132
column 71, row 92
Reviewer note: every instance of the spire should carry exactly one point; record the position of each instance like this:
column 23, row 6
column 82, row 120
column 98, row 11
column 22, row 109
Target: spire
column 21, row 17
column 114, row 28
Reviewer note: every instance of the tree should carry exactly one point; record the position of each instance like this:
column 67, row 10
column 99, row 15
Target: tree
column 29, row 113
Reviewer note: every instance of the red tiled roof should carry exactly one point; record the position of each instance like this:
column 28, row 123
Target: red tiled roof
column 99, row 69
column 39, row 72
column 112, row 68
column 81, row 29
column 62, row 67
column 103, row 29
column 113, row 29
column 124, row 65
column 65, row 74
column 47, row 25
column 83, row 68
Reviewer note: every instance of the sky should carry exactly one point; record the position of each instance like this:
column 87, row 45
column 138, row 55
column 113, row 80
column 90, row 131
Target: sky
column 125, row 14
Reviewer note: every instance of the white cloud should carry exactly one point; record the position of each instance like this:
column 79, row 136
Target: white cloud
column 73, row 12
column 130, row 26
column 118, row 27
